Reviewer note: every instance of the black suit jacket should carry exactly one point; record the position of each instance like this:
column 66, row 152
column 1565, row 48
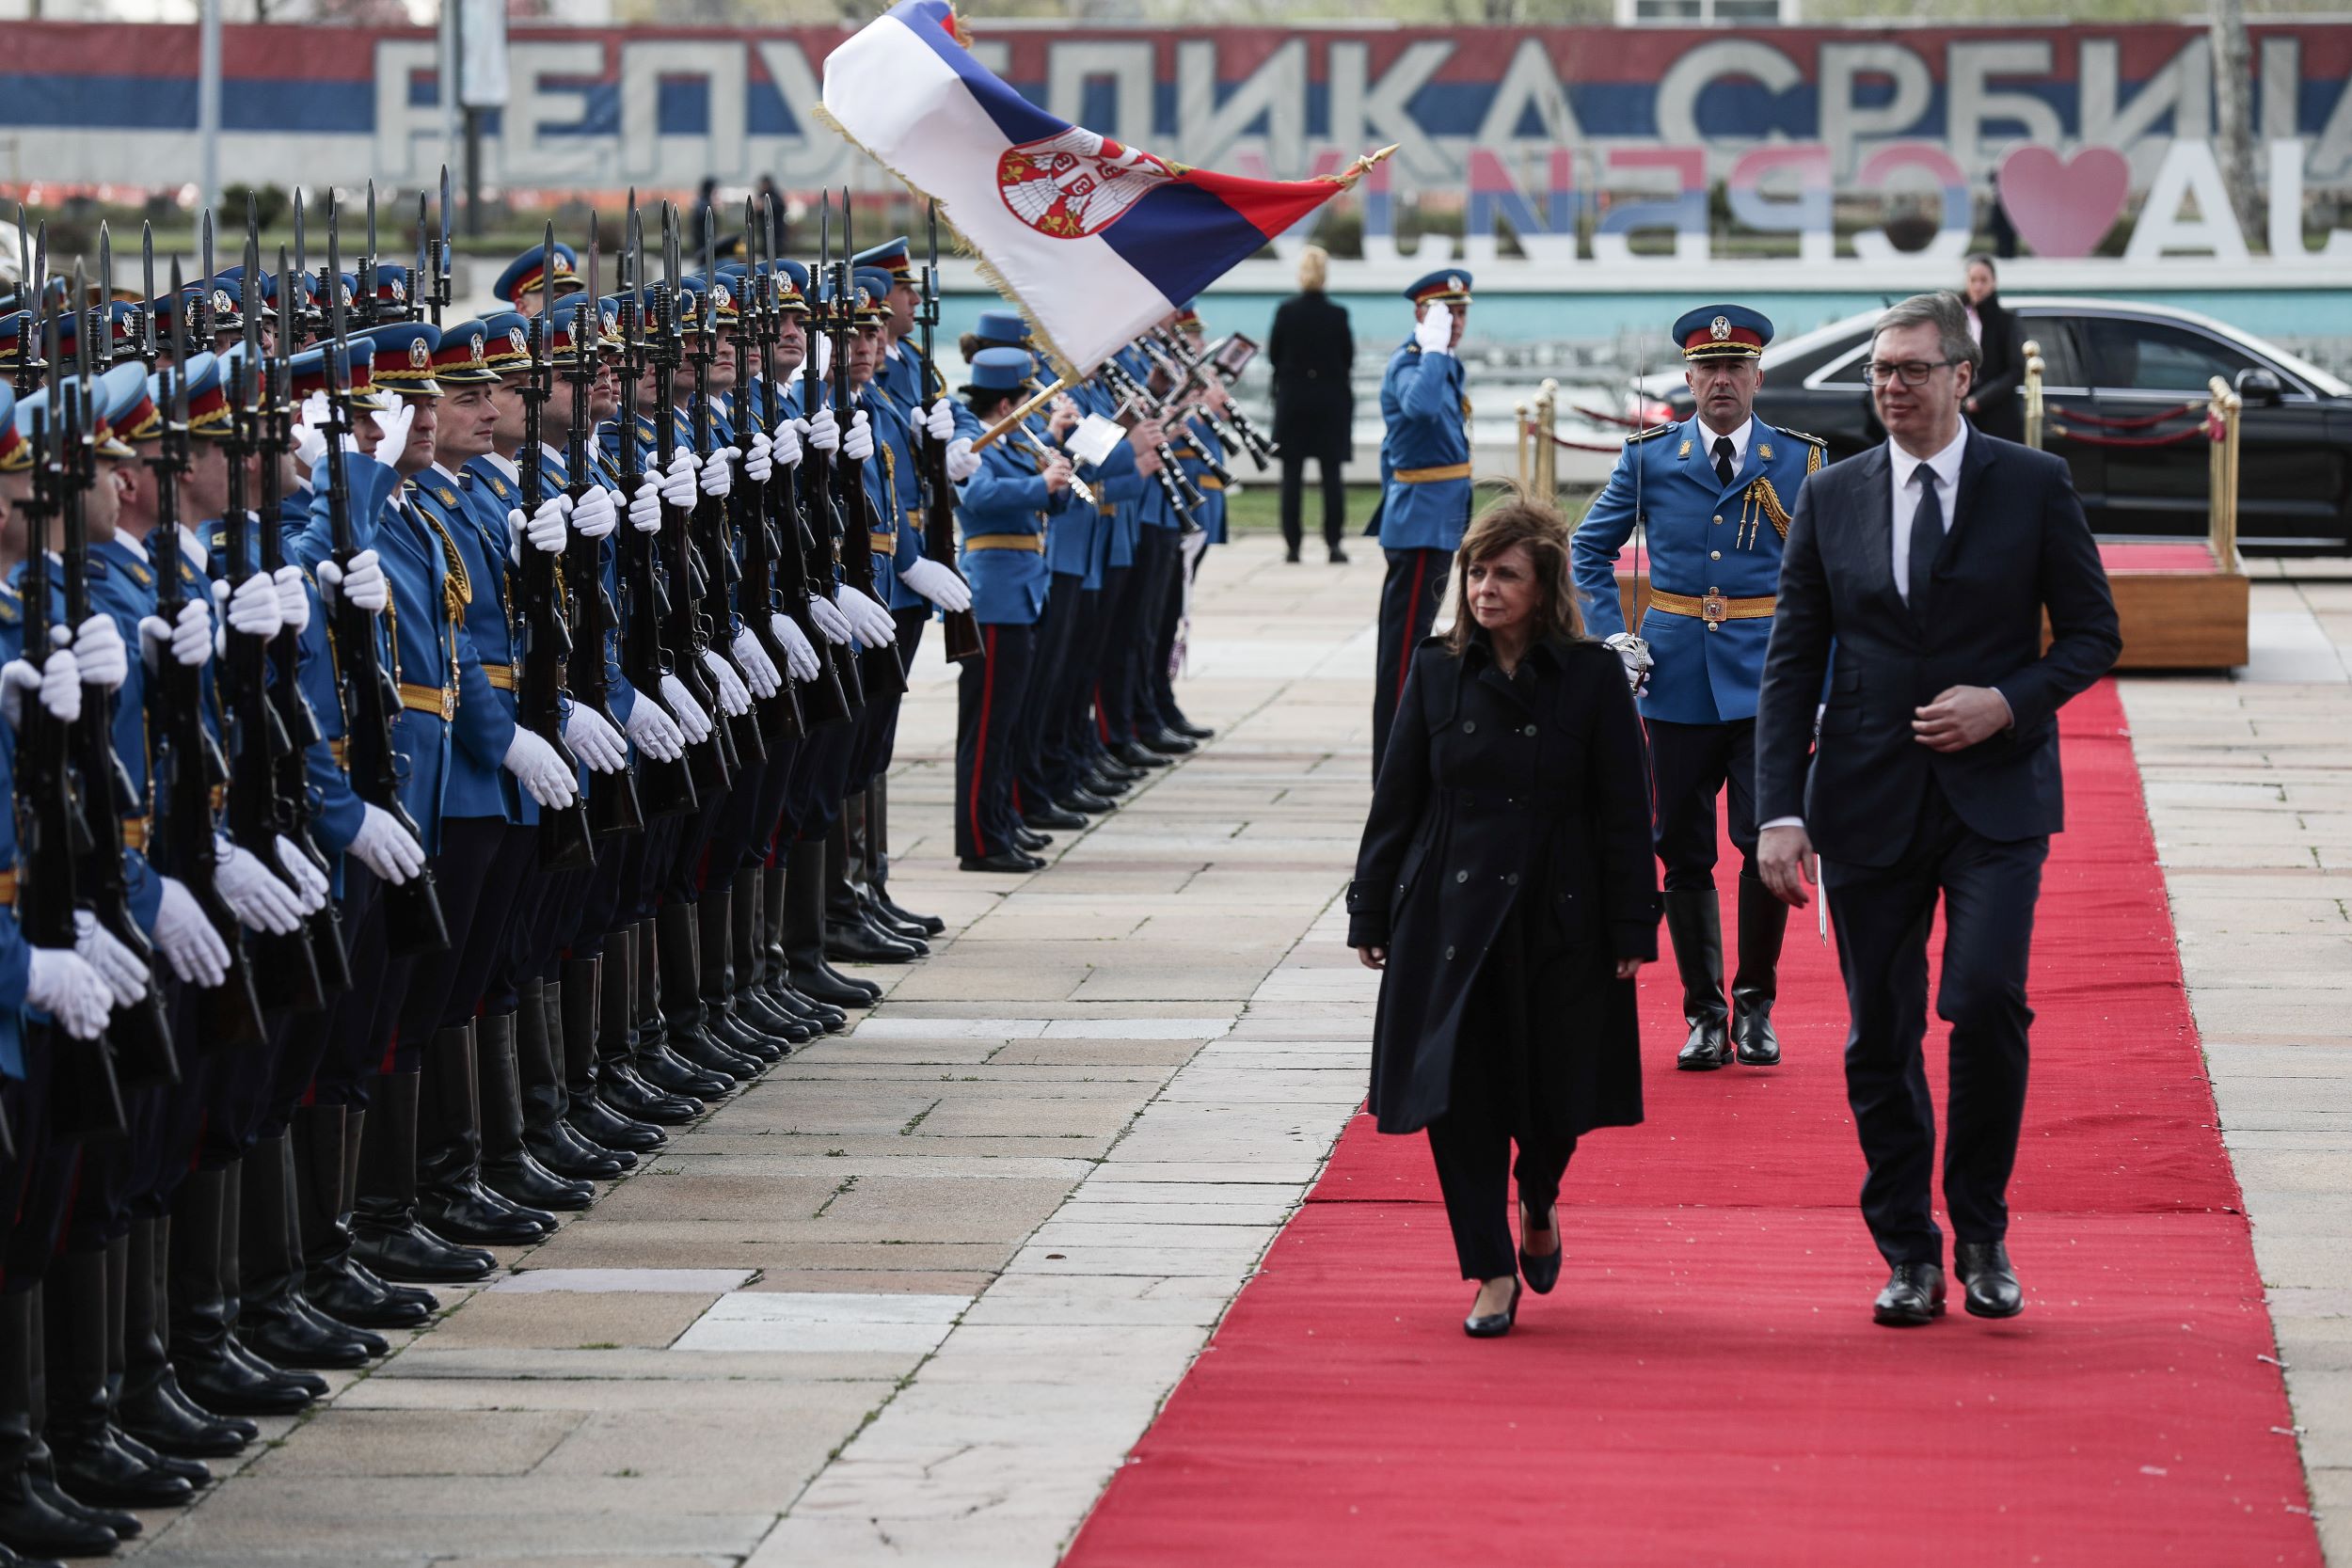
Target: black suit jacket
column 1312, row 352
column 2016, row 546
column 1999, row 410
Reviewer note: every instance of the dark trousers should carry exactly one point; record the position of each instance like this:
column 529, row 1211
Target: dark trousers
column 1409, row 600
column 1882, row 914
column 989, row 695
column 481, row 857
column 1471, row 1144
column 1160, row 682
column 1042, row 776
column 1690, row 765
column 1113, row 684
column 1334, row 500
column 1159, row 570
column 343, row 1058
column 1082, row 730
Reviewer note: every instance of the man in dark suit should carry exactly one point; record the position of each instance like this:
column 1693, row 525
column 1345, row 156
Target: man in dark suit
column 1925, row 565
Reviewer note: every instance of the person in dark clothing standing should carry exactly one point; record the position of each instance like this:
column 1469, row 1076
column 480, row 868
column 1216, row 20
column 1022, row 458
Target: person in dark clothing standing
column 1506, row 887
column 1313, row 353
column 1994, row 406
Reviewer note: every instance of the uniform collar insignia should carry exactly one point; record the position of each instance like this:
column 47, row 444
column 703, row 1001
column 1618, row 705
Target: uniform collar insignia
column 449, row 497
column 1764, row 451
column 498, row 486
column 1686, row 448
column 140, row 574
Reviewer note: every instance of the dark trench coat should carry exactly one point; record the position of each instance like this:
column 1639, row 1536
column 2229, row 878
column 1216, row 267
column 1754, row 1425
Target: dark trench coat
column 1498, row 793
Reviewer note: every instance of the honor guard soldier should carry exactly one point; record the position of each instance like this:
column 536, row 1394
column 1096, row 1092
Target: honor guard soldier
column 524, row 284
column 1714, row 494
column 1424, row 482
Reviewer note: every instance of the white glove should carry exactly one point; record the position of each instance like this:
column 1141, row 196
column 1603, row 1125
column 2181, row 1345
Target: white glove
column 594, row 741
column 195, row 951
column 759, row 462
column 785, row 447
column 796, row 652
column 59, row 682
column 1434, row 332
column 98, row 650
column 692, row 720
column 386, row 848
column 255, row 894
column 544, row 527
column 309, row 883
column 365, row 582
column 644, row 507
column 190, row 639
column 734, row 698
column 857, row 445
column 759, row 670
column 963, row 462
column 939, row 423
column 677, row 480
column 394, row 423
column 718, row 476
column 942, row 585
column 1634, row 653
column 251, row 609
column 821, row 346
column 828, row 620
column 293, row 603
column 66, row 988
column 868, row 621
column 655, row 733
column 310, row 433
column 542, row 773
column 823, row 432
column 594, row 515
column 123, row 971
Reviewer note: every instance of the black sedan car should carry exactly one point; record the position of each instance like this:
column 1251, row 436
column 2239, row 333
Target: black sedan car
column 2118, row 363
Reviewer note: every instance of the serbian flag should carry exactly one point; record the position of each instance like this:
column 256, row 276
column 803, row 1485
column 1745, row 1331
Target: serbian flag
column 1093, row 241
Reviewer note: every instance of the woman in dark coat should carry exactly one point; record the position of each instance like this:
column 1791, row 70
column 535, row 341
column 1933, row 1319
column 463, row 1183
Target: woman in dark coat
column 1313, row 356
column 1507, row 885
column 1994, row 406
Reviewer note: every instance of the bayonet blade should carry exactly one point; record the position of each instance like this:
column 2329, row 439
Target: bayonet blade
column 146, row 294
column 179, row 382
column 595, row 310
column 287, row 333
column 204, row 307
column 302, row 243
column 334, row 267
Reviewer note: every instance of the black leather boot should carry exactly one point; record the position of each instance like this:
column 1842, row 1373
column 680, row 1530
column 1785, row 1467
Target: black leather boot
column 450, row 1195
column 232, row 1288
column 333, row 1281
column 193, row 1471
column 678, row 936
column 804, row 934
column 747, row 957
column 1763, row 922
column 274, row 1319
column 89, row 1463
column 545, row 1073
column 619, row 1087
column 657, row 1062
column 149, row 1405
column 590, row 1119
column 831, row 1020
column 878, row 862
column 850, row 934
column 1695, row 923
column 34, row 1515
column 714, row 967
column 204, row 1352
column 388, row 1239
column 508, row 1168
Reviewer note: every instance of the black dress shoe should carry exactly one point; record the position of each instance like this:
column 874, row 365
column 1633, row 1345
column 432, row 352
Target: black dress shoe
column 119, row 1522
column 232, row 1386
column 702, row 1051
column 1167, row 743
column 1708, row 1047
column 29, row 1520
column 606, row 1128
column 634, row 1097
column 559, row 1146
column 95, row 1469
column 349, row 1293
column 1754, row 1040
column 1086, row 802
column 1543, row 1272
column 1053, row 816
column 1137, row 755
column 1031, row 841
column 1339, row 556
column 412, row 1252
column 517, row 1176
column 284, row 1335
column 1186, row 727
column 1494, row 1325
column 1913, row 1296
column 1011, row 862
column 857, row 943
column 165, row 1419
column 824, row 985
column 666, row 1070
column 190, row 1471
column 1993, row 1287
column 1290, row 557
column 1107, row 786
column 930, row 925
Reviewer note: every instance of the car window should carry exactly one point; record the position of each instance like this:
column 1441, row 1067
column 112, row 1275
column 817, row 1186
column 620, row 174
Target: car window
column 1842, row 366
column 2155, row 357
column 2061, row 365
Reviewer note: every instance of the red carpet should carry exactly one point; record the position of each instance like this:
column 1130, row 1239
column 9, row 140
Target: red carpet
column 1706, row 1385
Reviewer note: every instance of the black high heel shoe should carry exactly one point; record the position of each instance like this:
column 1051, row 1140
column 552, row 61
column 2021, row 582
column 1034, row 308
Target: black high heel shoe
column 1543, row 1272
column 1495, row 1324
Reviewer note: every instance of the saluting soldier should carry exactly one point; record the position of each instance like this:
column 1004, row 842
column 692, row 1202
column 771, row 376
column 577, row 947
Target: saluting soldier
column 1424, row 482
column 1714, row 492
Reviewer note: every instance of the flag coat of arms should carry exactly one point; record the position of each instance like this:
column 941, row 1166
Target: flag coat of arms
column 1094, row 241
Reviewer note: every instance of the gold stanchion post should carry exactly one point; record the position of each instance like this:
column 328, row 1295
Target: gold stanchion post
column 1547, row 450
column 2033, row 393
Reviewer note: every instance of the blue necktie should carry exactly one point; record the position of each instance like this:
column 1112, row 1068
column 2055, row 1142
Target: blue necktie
column 1927, row 537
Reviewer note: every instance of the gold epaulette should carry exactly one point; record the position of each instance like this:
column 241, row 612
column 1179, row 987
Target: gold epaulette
column 1816, row 451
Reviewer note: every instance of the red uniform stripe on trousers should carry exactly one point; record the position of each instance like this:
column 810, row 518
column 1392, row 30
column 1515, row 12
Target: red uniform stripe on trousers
column 979, row 752
column 1412, row 620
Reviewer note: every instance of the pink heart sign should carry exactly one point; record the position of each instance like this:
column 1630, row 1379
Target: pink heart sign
column 2063, row 207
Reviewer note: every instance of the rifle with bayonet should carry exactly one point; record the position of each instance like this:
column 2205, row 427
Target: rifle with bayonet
column 140, row 1032
column 32, row 282
column 443, row 261
column 666, row 789
column 187, row 764
column 780, row 715
column 712, row 757
column 413, row 920
column 1211, row 364
column 818, row 498
column 54, row 836
column 1175, row 484
column 369, row 309
column 878, row 669
column 960, row 628
column 1181, row 379
column 566, row 841
column 708, row 536
column 614, row 806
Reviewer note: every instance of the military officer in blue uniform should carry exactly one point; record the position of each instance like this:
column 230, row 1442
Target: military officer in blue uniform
column 1714, row 494
column 1424, row 482
column 526, row 283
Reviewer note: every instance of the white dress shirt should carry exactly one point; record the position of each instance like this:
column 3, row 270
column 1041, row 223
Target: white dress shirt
column 1738, row 439
column 1900, row 466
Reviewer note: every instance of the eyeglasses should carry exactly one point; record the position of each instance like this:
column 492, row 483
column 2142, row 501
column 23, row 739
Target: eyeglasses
column 1913, row 372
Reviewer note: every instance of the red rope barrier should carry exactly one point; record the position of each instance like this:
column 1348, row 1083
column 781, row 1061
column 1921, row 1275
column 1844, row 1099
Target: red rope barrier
column 2202, row 428
column 1560, row 440
column 1599, row 417
column 2101, row 421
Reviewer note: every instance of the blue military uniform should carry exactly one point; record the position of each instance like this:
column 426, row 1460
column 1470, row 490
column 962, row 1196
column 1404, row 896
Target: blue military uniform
column 1424, row 494
column 1714, row 506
